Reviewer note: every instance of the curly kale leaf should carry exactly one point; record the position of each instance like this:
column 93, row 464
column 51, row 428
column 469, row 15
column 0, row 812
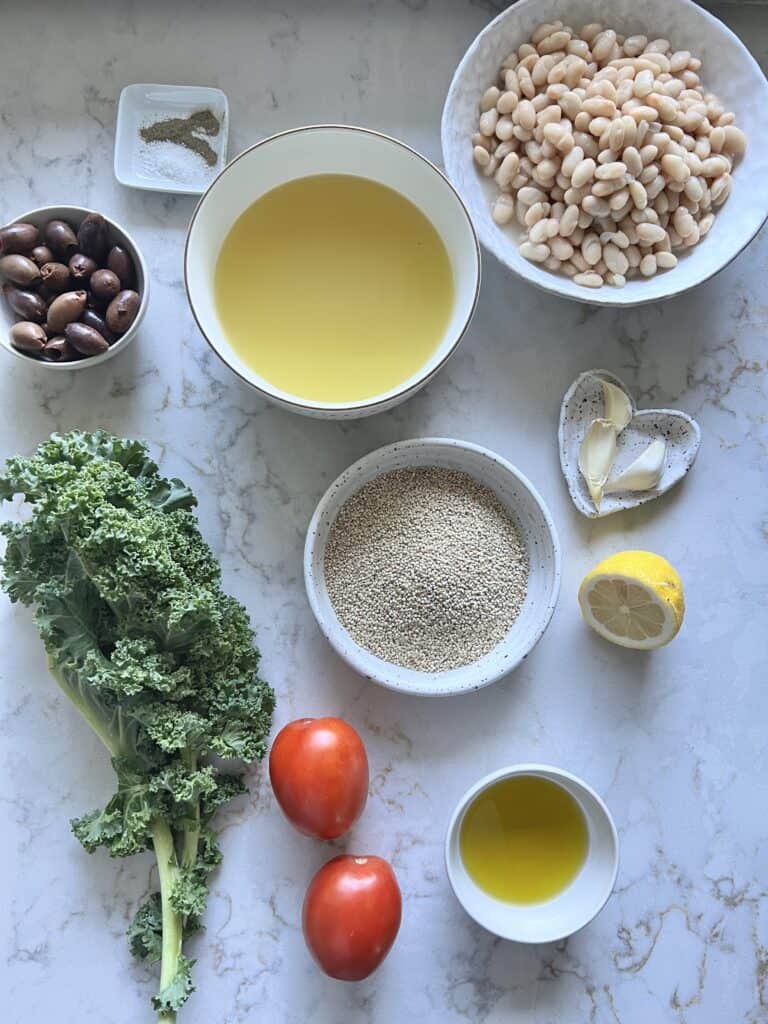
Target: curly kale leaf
column 160, row 662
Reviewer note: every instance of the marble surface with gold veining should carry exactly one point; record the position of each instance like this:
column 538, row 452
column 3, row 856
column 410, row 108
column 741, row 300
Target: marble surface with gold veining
column 674, row 741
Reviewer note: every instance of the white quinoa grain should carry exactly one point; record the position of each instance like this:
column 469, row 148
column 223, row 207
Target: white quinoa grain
column 425, row 568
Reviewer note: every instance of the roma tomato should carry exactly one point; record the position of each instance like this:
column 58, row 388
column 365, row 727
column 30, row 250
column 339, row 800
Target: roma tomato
column 319, row 772
column 351, row 915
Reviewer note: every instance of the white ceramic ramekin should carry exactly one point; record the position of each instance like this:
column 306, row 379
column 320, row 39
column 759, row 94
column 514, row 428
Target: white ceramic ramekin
column 74, row 215
column 572, row 908
column 536, row 529
column 330, row 149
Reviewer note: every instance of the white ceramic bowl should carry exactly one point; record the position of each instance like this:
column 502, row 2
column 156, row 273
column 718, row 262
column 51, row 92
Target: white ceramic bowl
column 74, row 215
column 571, row 909
column 536, row 529
column 728, row 70
column 330, row 149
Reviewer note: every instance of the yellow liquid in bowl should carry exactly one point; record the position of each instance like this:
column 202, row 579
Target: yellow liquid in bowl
column 523, row 839
column 333, row 288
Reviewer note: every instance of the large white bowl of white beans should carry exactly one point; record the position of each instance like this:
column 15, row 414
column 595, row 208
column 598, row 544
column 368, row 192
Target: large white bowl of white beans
column 609, row 151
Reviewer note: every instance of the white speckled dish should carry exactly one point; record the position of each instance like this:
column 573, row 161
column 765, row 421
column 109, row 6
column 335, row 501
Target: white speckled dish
column 728, row 70
column 536, row 529
column 583, row 402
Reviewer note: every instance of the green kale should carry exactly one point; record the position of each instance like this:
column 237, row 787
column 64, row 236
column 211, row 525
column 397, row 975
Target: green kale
column 158, row 660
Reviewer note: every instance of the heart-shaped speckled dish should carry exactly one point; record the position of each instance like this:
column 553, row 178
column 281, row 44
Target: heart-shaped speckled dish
column 583, row 402
column 728, row 70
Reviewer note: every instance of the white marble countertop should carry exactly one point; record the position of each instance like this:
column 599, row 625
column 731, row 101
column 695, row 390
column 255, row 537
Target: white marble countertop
column 675, row 742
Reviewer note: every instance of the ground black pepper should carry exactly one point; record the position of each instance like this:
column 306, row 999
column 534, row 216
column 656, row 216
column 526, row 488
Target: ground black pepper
column 186, row 131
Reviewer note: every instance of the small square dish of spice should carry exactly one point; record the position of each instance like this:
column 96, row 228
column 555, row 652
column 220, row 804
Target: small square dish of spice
column 171, row 138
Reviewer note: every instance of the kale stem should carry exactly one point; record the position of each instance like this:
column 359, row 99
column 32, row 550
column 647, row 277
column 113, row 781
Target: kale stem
column 191, row 835
column 167, row 867
column 112, row 743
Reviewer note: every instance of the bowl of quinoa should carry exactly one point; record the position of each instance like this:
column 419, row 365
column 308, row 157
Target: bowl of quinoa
column 432, row 566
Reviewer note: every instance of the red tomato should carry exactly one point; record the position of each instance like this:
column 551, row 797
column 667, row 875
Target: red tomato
column 319, row 772
column 351, row 915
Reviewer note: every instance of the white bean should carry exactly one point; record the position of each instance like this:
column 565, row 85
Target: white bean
column 503, row 209
column 666, row 260
column 615, row 259
column 649, row 234
column 488, row 121
column 583, row 173
column 489, row 99
column 588, row 279
column 611, row 171
column 530, row 195
column 534, row 253
column 648, row 265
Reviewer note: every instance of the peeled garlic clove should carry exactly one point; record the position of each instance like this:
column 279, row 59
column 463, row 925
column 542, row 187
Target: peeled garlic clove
column 644, row 473
column 596, row 455
column 618, row 407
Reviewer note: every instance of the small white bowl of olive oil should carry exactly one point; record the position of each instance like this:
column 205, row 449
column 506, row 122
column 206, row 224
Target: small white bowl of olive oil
column 334, row 269
column 532, row 853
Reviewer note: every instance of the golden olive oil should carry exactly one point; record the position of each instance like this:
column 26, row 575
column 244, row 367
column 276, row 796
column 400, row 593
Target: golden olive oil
column 333, row 288
column 523, row 839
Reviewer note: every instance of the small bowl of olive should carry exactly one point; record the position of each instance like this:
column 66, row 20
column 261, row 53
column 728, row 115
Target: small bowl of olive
column 74, row 287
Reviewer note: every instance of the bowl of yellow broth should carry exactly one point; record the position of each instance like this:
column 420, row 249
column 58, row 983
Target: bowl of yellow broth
column 332, row 268
column 532, row 853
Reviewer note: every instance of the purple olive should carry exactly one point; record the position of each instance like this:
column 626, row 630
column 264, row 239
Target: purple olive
column 60, row 237
column 122, row 311
column 58, row 350
column 93, row 319
column 85, row 339
column 41, row 254
column 64, row 309
column 55, row 277
column 28, row 337
column 120, row 263
column 20, row 270
column 105, row 284
column 28, row 305
column 81, row 267
column 93, row 237
column 18, row 238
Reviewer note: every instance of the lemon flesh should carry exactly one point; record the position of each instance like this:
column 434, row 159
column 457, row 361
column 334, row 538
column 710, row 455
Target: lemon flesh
column 635, row 599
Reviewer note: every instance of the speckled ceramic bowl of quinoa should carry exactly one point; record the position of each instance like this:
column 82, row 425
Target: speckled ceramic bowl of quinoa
column 502, row 490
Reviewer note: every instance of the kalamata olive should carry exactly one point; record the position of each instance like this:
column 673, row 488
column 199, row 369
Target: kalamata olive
column 93, row 237
column 28, row 337
column 105, row 284
column 60, row 237
column 81, row 267
column 98, row 323
column 28, row 305
column 41, row 254
column 64, row 309
column 21, row 238
column 58, row 350
column 20, row 270
column 55, row 276
column 85, row 339
column 122, row 310
column 120, row 263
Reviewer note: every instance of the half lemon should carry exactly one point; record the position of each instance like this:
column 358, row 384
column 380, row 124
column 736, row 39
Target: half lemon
column 635, row 599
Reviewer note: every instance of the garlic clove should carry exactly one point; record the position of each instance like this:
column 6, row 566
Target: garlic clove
column 644, row 473
column 596, row 455
column 618, row 405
